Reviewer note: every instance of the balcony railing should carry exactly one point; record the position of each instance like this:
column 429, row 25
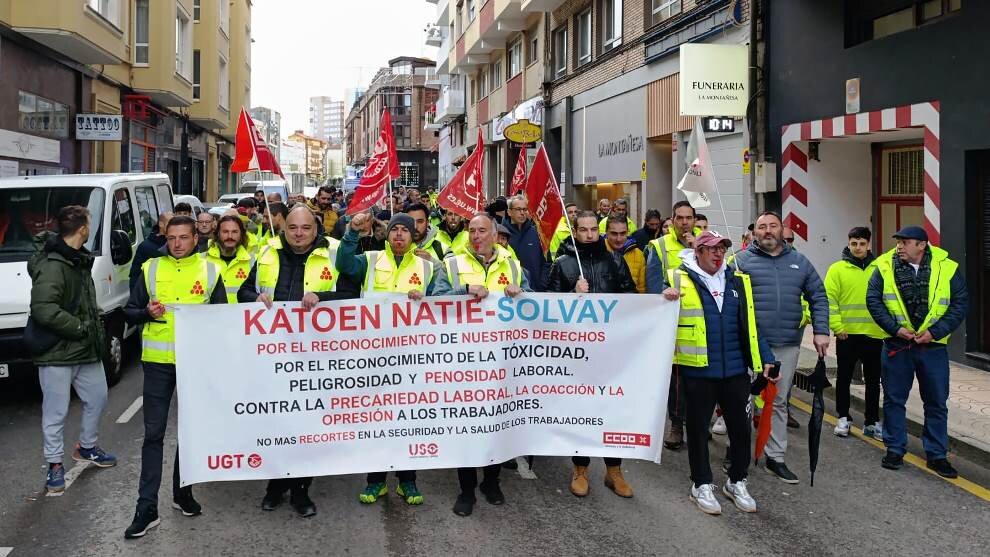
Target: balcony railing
column 450, row 105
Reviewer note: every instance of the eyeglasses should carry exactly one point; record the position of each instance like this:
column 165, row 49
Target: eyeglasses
column 717, row 249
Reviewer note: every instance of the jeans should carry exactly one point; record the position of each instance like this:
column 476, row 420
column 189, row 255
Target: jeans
column 159, row 384
column 402, row 475
column 732, row 395
column 90, row 383
column 866, row 350
column 777, row 444
column 675, row 397
column 931, row 365
column 468, row 477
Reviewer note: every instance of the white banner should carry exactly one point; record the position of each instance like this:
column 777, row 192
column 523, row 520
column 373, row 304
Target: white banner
column 392, row 384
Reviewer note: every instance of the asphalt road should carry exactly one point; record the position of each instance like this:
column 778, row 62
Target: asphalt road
column 855, row 507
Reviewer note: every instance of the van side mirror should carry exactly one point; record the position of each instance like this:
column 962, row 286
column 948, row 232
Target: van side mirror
column 120, row 247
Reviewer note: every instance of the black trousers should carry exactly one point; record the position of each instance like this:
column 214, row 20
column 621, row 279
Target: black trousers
column 159, row 384
column 731, row 395
column 866, row 350
column 468, row 477
column 586, row 460
column 675, row 397
column 281, row 485
column 403, row 475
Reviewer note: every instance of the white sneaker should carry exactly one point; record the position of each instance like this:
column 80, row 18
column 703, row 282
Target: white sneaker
column 704, row 497
column 719, row 427
column 739, row 495
column 842, row 428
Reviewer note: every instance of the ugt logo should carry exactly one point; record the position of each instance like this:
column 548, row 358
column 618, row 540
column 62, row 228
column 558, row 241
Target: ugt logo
column 424, row 450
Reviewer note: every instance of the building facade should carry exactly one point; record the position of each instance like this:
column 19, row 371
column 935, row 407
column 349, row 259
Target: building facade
column 314, row 155
column 269, row 124
column 326, row 119
column 175, row 72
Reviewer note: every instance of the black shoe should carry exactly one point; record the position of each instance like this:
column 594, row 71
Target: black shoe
column 510, row 464
column 143, row 521
column 792, row 423
column 304, row 506
column 942, row 467
column 780, row 470
column 493, row 493
column 184, row 501
column 271, row 501
column 892, row 461
column 464, row 505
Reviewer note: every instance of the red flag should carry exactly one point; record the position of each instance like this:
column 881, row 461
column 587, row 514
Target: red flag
column 519, row 176
column 545, row 205
column 465, row 193
column 383, row 165
column 251, row 150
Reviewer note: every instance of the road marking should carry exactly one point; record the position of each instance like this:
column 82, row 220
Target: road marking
column 525, row 472
column 129, row 413
column 5, row 551
column 916, row 461
column 70, row 477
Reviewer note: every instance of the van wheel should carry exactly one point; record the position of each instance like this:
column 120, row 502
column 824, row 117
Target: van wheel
column 113, row 360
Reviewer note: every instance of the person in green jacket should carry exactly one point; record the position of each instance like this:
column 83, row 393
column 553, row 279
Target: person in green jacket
column 63, row 303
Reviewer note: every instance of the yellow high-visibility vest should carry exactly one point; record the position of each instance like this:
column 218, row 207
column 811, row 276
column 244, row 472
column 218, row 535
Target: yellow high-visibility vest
column 464, row 269
column 384, row 276
column 320, row 273
column 234, row 273
column 171, row 281
column 846, row 285
column 939, row 290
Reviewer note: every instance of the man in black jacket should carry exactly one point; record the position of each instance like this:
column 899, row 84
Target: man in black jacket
column 149, row 248
column 279, row 276
column 600, row 272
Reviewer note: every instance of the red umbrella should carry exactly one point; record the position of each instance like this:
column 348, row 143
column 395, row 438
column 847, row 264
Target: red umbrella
column 768, row 392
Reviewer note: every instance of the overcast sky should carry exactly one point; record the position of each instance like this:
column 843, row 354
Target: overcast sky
column 306, row 48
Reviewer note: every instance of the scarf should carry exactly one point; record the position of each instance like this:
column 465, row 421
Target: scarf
column 914, row 287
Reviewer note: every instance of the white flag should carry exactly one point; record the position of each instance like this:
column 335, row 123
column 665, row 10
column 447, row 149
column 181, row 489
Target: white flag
column 699, row 180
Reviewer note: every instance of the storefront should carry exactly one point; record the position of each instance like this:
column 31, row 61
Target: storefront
column 504, row 153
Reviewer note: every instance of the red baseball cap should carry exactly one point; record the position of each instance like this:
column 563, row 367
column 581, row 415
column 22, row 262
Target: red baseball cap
column 710, row 238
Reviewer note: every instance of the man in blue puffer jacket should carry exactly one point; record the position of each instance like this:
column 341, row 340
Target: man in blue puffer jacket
column 781, row 278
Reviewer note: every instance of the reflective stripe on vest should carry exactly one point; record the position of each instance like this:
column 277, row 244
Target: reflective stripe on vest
column 939, row 290
column 188, row 281
column 407, row 274
column 319, row 274
column 490, row 278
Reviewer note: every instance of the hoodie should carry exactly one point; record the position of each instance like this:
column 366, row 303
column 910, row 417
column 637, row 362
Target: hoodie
column 715, row 283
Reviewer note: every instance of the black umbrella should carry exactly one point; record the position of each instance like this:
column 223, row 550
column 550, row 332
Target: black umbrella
column 817, row 383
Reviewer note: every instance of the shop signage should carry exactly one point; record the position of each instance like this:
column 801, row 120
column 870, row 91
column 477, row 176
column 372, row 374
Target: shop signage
column 31, row 147
column 608, row 148
column 531, row 110
column 714, row 80
column 99, row 127
column 9, row 169
column 620, row 146
column 719, row 124
column 852, row 95
column 523, row 131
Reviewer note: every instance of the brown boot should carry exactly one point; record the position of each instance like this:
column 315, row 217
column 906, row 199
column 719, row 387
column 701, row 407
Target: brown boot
column 579, row 483
column 675, row 437
column 617, row 483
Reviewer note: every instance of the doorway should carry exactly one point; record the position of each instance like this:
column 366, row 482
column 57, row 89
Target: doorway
column 978, row 248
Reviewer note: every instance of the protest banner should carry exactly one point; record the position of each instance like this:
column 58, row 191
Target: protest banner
column 393, row 384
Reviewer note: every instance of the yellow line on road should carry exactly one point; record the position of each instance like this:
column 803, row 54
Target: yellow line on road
column 918, row 462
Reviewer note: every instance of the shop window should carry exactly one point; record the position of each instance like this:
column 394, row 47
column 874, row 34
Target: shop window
column 40, row 115
column 560, row 52
column 122, row 217
column 141, row 32
column 663, row 10
column 584, row 38
column 611, row 11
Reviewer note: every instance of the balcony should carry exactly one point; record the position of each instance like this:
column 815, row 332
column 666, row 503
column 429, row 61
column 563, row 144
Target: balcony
column 443, row 56
column 541, row 5
column 72, row 28
column 432, row 78
column 450, row 105
column 434, row 35
column 431, row 120
column 443, row 13
column 499, row 19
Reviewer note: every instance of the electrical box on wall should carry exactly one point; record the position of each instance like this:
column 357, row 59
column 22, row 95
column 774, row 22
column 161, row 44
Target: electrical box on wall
column 766, row 177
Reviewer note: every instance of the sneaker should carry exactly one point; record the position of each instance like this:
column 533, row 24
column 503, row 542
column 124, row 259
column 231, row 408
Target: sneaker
column 719, row 427
column 874, row 430
column 493, row 493
column 704, row 497
column 780, row 470
column 739, row 495
column 55, row 479
column 143, row 521
column 185, row 502
column 464, row 505
column 942, row 467
column 675, row 437
column 409, row 492
column 842, row 428
column 96, row 455
column 373, row 492
column 792, row 423
column 892, row 461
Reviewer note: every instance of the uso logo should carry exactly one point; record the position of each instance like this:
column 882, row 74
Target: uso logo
column 424, row 450
column 617, row 438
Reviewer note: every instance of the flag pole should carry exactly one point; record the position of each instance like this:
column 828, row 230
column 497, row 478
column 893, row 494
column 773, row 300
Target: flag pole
column 718, row 194
column 573, row 239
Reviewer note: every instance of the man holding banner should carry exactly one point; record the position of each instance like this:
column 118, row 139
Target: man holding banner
column 484, row 268
column 299, row 269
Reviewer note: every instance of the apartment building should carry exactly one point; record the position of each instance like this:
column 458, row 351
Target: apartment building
column 314, row 153
column 402, row 87
column 176, row 73
column 326, row 119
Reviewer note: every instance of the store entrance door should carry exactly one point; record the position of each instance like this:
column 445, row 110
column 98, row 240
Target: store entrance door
column 980, row 249
column 900, row 191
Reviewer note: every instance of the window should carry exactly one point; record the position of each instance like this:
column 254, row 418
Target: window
column 183, row 45
column 560, row 52
column 665, row 9
column 147, row 209
column 470, row 9
column 584, row 38
column 903, row 172
column 225, row 17
column 612, row 29
column 515, row 59
column 867, row 21
column 197, row 8
column 893, row 23
column 141, row 33
column 122, row 217
column 108, row 10
column 482, row 82
column 224, row 85
column 196, row 75
column 495, row 75
column 40, row 115
column 533, row 52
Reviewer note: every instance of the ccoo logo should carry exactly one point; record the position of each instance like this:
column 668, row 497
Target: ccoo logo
column 424, row 450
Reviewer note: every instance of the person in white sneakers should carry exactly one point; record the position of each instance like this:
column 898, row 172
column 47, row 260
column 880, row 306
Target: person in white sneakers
column 717, row 344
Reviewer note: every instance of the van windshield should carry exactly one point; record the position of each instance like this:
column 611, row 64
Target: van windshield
column 25, row 212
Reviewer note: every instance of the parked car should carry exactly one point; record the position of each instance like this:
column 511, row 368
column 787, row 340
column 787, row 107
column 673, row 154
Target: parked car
column 124, row 208
column 233, row 198
column 269, row 186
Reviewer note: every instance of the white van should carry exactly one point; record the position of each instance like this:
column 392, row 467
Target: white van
column 124, row 208
column 267, row 186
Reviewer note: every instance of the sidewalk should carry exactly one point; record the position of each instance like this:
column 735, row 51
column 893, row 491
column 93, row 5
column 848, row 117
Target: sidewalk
column 969, row 397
